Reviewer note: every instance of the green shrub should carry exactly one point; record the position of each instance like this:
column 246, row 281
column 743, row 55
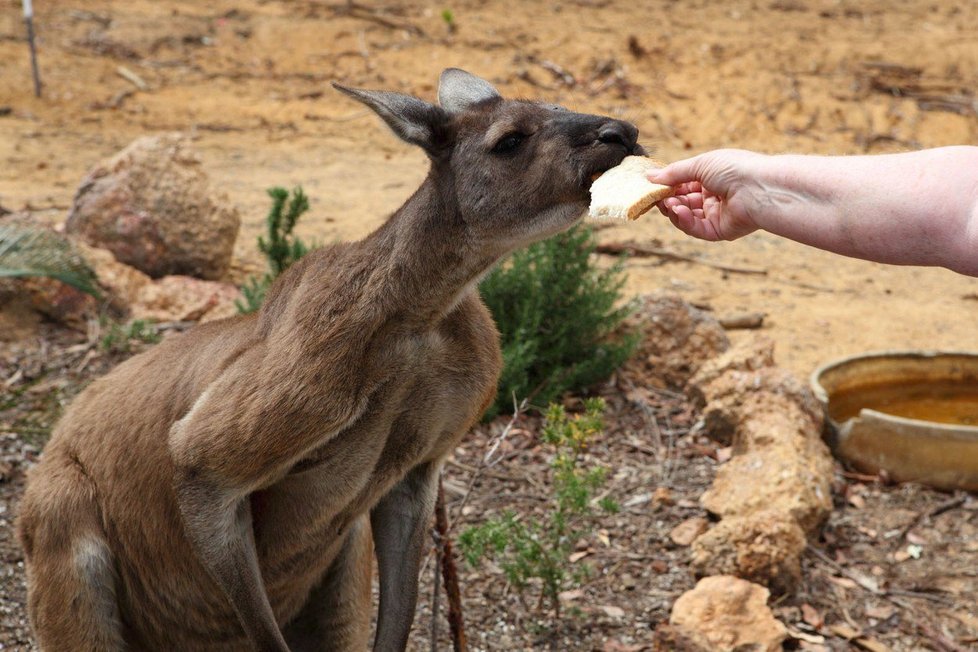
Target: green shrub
column 35, row 251
column 281, row 249
column 556, row 313
column 527, row 547
column 118, row 337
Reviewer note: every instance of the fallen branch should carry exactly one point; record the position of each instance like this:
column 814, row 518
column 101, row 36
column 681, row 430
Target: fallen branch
column 946, row 506
column 449, row 573
column 743, row 321
column 641, row 251
column 369, row 14
column 132, row 78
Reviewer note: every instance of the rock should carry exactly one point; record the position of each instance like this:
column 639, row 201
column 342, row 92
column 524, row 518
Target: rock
column 748, row 355
column 47, row 296
column 727, row 614
column 764, row 547
column 673, row 639
column 59, row 302
column 773, row 478
column 687, row 531
column 151, row 205
column 183, row 298
column 675, row 339
column 737, row 397
column 121, row 282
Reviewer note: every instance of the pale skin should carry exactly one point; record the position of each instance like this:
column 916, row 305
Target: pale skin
column 914, row 208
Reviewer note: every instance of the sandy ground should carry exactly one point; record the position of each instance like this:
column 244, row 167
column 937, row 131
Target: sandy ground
column 250, row 80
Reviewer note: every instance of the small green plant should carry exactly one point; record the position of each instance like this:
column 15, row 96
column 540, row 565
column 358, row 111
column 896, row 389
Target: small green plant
column 529, row 548
column 557, row 314
column 448, row 16
column 119, row 337
column 281, row 249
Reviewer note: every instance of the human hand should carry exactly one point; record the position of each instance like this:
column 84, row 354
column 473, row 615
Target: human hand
column 715, row 194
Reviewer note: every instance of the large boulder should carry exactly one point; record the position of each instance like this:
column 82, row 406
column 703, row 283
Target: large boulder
column 183, row 298
column 764, row 547
column 151, row 205
column 728, row 614
column 675, row 339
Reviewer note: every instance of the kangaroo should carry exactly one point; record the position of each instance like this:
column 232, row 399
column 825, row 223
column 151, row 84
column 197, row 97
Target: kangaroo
column 229, row 488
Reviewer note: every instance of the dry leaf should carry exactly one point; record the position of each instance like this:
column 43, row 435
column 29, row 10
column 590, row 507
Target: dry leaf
column 570, row 596
column 881, row 612
column 604, row 538
column 636, row 500
column 844, row 582
column 662, row 496
column 802, row 636
column 578, row 556
column 870, row 644
column 811, row 616
column 844, row 631
column 616, row 646
column 613, row 612
column 812, row 647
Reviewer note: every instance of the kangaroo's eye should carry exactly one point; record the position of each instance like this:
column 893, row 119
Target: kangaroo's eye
column 508, row 144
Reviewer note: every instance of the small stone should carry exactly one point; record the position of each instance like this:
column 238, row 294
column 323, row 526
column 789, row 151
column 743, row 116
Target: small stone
column 687, row 531
column 725, row 613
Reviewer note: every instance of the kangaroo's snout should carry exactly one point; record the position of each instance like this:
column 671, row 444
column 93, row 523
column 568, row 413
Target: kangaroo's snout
column 618, row 132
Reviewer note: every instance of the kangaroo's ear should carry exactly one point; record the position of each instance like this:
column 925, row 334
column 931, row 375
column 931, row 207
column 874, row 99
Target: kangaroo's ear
column 412, row 119
column 458, row 90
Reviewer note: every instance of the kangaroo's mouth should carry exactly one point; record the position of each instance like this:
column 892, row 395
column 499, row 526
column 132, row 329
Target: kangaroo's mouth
column 612, row 158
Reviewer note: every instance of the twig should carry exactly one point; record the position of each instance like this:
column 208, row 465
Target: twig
column 641, row 251
column 435, row 592
column 132, row 78
column 363, row 12
column 952, row 503
column 943, row 643
column 450, row 573
column 493, row 445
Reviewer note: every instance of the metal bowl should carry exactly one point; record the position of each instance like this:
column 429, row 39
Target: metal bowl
column 897, row 437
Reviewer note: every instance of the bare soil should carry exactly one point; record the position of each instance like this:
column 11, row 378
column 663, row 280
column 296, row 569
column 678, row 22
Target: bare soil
column 250, row 80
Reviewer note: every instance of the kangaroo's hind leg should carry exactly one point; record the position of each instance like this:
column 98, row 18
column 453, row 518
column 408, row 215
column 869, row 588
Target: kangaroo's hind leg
column 71, row 577
column 336, row 617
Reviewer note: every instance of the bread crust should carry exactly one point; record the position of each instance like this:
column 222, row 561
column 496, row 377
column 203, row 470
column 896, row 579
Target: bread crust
column 624, row 192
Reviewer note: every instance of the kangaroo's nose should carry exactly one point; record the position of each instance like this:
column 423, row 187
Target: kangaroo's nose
column 618, row 133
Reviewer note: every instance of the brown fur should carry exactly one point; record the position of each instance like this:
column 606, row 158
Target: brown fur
column 222, row 487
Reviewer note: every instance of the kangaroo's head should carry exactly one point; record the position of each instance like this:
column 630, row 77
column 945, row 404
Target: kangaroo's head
column 512, row 171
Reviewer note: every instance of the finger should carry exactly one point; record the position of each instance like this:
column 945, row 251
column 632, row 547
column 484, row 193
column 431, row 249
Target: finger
column 680, row 172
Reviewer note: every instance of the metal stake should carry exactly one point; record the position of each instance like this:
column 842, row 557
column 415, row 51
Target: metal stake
column 29, row 19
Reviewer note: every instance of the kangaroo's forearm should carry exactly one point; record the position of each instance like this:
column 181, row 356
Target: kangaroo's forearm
column 399, row 523
column 223, row 539
column 910, row 208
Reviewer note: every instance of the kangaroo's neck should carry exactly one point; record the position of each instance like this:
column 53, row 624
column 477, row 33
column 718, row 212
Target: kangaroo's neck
column 423, row 258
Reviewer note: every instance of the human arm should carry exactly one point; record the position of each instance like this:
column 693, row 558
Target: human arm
column 915, row 208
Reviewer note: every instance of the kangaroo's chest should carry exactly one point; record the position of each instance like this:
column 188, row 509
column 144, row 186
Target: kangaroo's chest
column 437, row 386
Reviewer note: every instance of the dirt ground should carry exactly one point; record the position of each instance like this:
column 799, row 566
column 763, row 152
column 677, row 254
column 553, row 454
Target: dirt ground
column 250, row 80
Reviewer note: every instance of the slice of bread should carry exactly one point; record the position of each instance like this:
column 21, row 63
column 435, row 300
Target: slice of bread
column 624, row 192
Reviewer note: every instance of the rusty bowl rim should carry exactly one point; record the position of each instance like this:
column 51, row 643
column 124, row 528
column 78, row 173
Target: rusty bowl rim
column 823, row 396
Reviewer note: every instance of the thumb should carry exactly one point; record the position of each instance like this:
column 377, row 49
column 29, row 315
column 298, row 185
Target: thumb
column 706, row 168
